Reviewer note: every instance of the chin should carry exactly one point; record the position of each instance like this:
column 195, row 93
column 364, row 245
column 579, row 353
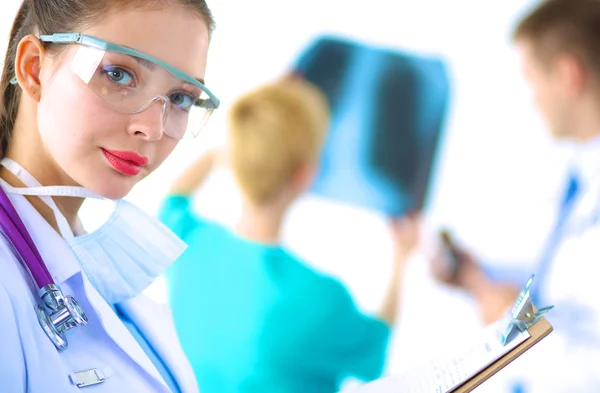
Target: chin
column 113, row 193
column 111, row 188
column 560, row 135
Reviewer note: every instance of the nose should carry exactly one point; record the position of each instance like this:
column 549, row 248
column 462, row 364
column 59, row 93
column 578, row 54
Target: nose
column 149, row 123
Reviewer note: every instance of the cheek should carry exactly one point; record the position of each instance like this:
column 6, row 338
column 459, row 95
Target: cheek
column 540, row 102
column 163, row 149
column 71, row 116
column 542, row 99
column 59, row 119
column 551, row 108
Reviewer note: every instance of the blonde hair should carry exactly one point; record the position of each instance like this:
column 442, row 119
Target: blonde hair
column 274, row 131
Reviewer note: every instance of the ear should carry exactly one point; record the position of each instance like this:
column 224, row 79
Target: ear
column 28, row 65
column 291, row 76
column 304, row 176
column 571, row 74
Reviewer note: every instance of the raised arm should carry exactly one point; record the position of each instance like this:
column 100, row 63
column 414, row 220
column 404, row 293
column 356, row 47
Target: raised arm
column 195, row 175
column 405, row 234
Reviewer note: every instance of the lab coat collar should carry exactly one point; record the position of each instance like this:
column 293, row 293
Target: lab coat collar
column 119, row 333
column 155, row 322
column 585, row 163
column 58, row 257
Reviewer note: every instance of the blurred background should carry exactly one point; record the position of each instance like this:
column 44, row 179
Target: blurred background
column 497, row 174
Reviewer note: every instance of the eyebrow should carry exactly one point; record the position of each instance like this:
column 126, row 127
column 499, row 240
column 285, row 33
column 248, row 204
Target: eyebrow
column 146, row 63
column 151, row 66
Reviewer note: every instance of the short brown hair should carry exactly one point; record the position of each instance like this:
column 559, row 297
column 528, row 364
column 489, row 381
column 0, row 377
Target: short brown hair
column 563, row 26
column 273, row 131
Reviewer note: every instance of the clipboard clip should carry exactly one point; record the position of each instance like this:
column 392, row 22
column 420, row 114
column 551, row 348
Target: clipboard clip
column 521, row 316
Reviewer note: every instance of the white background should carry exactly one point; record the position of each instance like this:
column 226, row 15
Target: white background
column 498, row 171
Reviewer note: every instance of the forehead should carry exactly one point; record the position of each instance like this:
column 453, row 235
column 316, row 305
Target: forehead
column 530, row 63
column 172, row 34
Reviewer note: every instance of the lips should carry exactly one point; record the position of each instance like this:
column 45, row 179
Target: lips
column 126, row 162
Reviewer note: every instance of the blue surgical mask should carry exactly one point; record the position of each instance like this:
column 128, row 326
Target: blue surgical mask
column 123, row 256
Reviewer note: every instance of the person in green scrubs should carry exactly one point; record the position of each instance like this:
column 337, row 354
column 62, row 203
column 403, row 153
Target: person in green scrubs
column 251, row 315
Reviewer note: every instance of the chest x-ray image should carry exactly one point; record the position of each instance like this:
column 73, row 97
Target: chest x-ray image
column 388, row 112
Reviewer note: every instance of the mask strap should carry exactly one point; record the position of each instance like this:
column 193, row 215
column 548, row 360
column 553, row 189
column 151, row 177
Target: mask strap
column 63, row 225
column 34, row 188
column 20, row 172
column 60, row 191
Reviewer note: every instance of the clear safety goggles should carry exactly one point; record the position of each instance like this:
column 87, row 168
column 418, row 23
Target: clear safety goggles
column 130, row 82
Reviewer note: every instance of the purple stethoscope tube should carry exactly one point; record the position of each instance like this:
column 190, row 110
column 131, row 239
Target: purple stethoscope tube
column 60, row 313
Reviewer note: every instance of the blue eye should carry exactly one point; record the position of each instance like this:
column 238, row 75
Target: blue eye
column 182, row 100
column 120, row 76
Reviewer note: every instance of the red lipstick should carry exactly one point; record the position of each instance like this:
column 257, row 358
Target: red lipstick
column 127, row 162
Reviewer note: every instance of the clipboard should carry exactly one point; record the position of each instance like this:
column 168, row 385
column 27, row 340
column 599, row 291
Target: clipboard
column 537, row 332
column 523, row 316
column 521, row 328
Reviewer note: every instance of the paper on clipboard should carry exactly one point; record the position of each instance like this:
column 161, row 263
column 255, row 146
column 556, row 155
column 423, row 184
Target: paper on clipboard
column 446, row 374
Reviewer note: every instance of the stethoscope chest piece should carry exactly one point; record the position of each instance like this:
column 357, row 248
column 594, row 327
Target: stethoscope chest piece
column 64, row 314
column 59, row 314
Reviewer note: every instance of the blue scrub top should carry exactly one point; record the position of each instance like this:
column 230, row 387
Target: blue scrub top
column 254, row 318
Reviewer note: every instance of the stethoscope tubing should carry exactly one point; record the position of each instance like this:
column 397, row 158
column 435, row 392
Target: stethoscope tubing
column 12, row 225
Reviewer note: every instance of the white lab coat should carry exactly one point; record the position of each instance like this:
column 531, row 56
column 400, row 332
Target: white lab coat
column 568, row 360
column 29, row 362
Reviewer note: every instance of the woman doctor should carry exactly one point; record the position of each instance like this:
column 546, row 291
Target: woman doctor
column 94, row 96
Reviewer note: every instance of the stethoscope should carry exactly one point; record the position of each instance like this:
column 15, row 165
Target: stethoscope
column 60, row 313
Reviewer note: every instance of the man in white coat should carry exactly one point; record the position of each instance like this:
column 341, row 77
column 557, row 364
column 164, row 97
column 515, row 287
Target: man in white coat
column 559, row 44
